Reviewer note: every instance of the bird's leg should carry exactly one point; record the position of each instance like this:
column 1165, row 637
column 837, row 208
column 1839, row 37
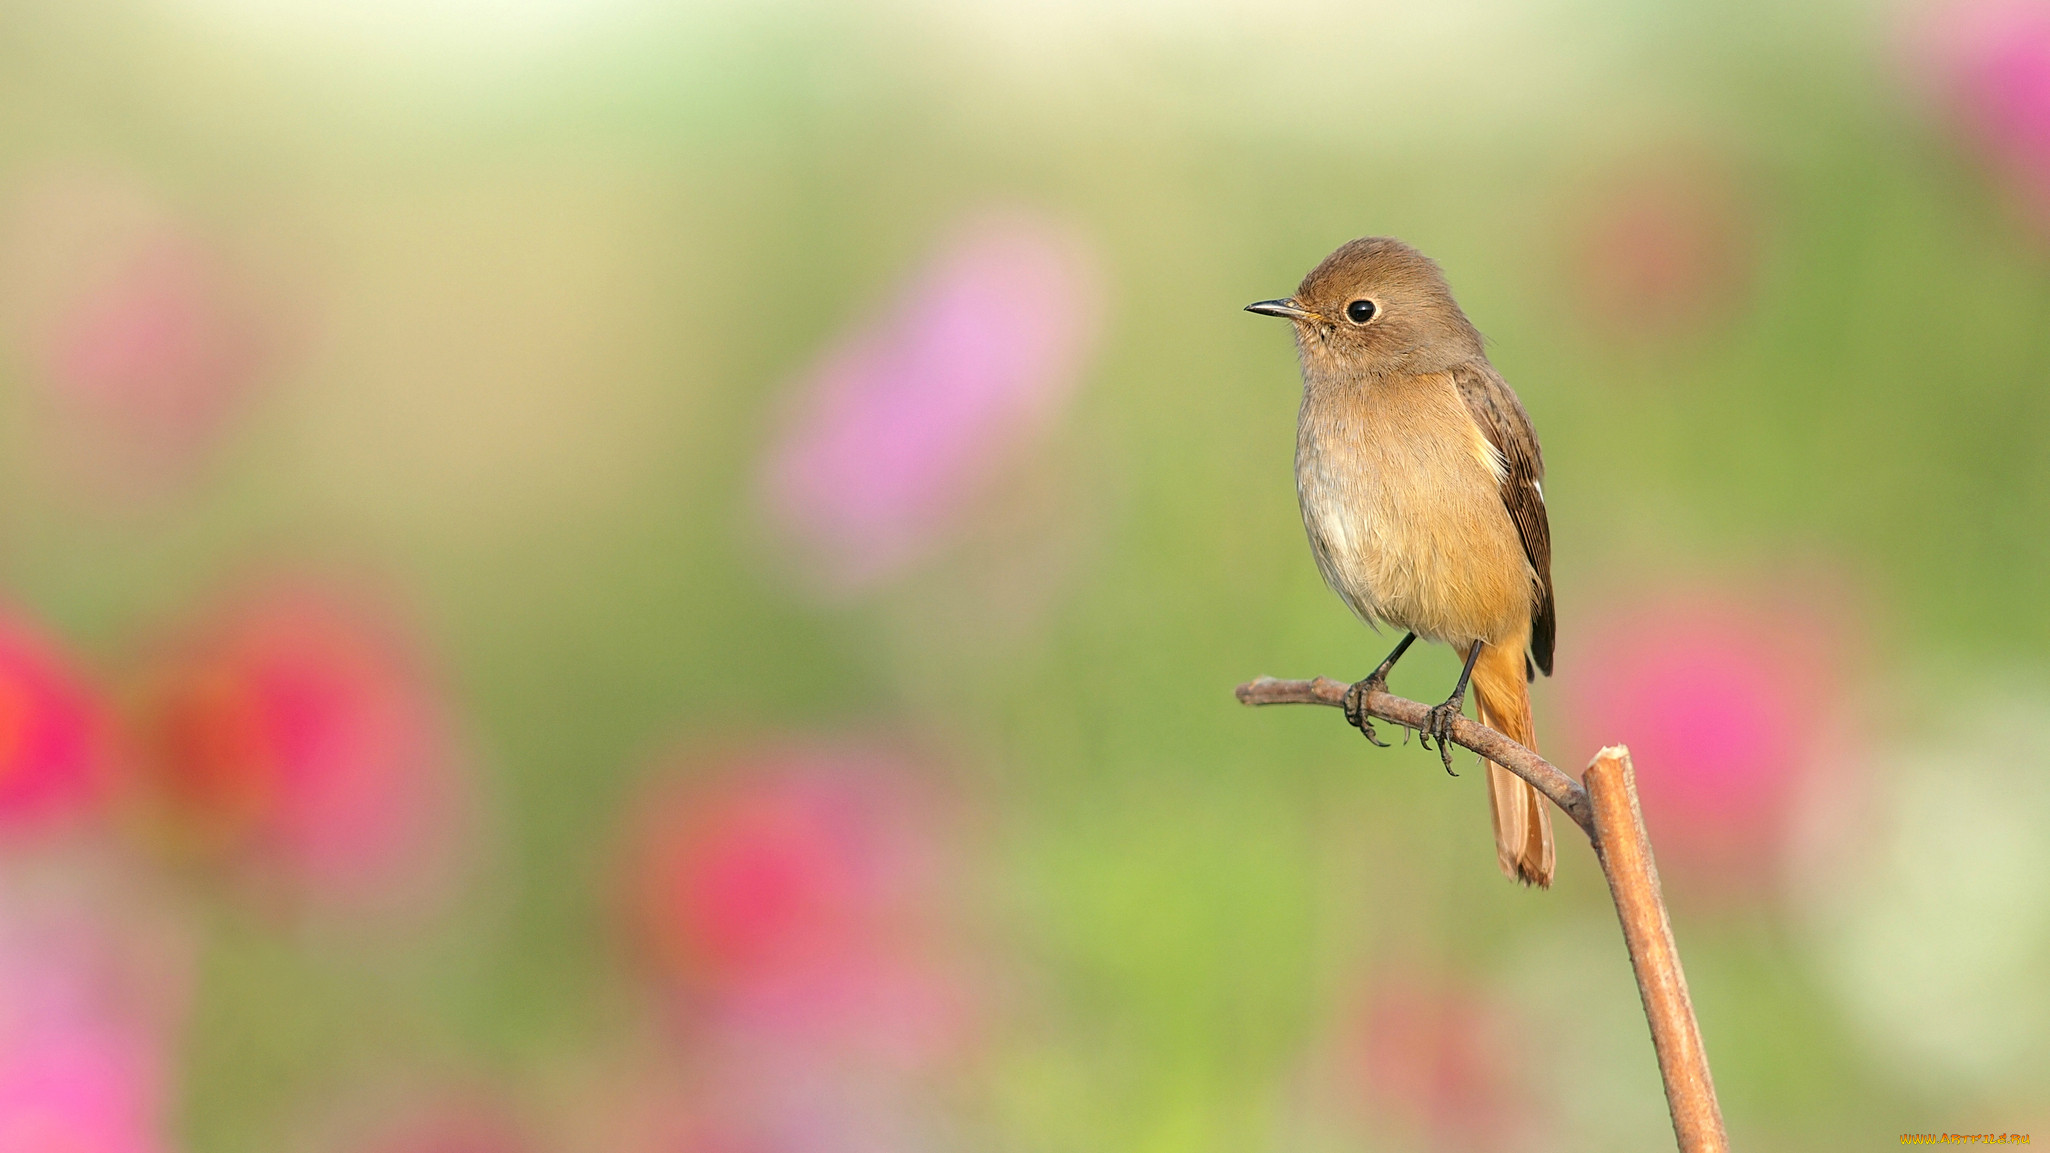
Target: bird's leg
column 1441, row 716
column 1377, row 681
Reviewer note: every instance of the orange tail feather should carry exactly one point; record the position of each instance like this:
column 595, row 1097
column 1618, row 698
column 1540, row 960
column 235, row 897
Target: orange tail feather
column 1523, row 822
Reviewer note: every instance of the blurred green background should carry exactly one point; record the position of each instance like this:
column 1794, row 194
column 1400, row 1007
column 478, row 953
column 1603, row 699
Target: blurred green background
column 500, row 311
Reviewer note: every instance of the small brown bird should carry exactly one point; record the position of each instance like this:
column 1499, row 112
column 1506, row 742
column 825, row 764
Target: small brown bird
column 1422, row 490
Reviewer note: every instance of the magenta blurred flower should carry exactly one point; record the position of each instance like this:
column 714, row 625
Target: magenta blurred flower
column 295, row 732
column 910, row 419
column 1989, row 64
column 53, row 734
column 793, row 896
column 1446, row 1063
column 86, row 1008
column 1666, row 248
column 1726, row 700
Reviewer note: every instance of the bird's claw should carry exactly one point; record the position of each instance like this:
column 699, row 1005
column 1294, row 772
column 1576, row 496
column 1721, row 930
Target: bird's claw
column 1356, row 713
column 1437, row 726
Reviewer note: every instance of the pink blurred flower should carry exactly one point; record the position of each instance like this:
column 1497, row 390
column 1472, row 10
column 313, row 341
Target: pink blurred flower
column 908, row 421
column 296, row 733
column 80, row 1087
column 87, row 1004
column 137, row 331
column 156, row 347
column 1726, row 701
column 793, row 897
column 1666, row 248
column 756, row 1101
column 53, row 734
column 1988, row 62
column 1446, row 1063
column 456, row 1126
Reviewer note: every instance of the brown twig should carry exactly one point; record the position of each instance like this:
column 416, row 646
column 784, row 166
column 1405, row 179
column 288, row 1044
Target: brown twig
column 1543, row 776
column 1625, row 854
column 1606, row 810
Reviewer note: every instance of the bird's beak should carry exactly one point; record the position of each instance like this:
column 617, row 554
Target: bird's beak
column 1285, row 307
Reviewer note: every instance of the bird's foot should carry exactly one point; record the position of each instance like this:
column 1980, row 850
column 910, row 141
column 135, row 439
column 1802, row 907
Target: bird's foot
column 1439, row 720
column 1356, row 713
column 1376, row 682
column 1438, row 726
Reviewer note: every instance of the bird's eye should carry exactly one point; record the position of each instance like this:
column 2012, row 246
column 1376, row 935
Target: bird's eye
column 1360, row 311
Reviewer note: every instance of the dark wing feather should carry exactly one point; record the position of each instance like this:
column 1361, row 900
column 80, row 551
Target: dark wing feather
column 1501, row 418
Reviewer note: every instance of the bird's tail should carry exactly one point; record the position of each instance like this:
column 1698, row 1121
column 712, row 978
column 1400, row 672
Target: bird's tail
column 1523, row 823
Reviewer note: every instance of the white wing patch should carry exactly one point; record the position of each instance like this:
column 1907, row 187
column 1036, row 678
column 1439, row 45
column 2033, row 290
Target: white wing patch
column 1488, row 455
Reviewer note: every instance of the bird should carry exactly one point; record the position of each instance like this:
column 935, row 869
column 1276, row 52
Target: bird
column 1422, row 490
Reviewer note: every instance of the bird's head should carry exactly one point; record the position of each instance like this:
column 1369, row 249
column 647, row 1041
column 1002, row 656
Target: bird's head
column 1377, row 306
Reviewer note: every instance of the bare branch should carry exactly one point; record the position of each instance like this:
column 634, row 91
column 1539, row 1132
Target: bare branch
column 1606, row 810
column 1625, row 854
column 1543, row 776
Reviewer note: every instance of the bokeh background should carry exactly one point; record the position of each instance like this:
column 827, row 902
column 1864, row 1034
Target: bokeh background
column 666, row 577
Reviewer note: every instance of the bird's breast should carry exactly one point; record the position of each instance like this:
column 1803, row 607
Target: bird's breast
column 1401, row 498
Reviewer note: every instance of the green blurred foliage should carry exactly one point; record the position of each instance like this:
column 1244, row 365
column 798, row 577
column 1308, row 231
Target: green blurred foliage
column 544, row 310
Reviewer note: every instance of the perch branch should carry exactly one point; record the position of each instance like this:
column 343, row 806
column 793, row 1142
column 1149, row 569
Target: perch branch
column 1606, row 810
column 1543, row 776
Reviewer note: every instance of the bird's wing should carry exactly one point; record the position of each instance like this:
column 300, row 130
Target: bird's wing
column 1494, row 407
